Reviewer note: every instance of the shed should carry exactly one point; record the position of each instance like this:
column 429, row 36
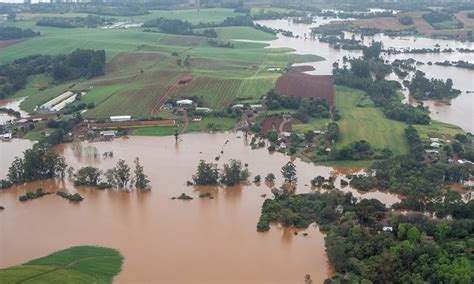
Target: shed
column 203, row 109
column 108, row 134
column 184, row 102
column 119, row 118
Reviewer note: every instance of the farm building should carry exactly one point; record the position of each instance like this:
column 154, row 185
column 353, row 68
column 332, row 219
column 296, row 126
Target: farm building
column 305, row 85
column 184, row 103
column 120, row 118
column 59, row 102
column 108, row 134
column 204, row 109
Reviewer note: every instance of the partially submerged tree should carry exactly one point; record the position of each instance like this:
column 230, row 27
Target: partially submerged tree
column 288, row 172
column 141, row 181
column 87, row 176
column 207, row 174
column 234, row 173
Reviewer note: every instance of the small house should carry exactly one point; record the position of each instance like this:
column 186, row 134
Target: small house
column 204, row 109
column 435, row 145
column 108, row 134
column 120, row 118
column 237, row 106
column 184, row 103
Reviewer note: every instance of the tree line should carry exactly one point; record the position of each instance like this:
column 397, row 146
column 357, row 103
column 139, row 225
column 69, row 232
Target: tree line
column 16, row 33
column 232, row 173
column 91, row 21
column 118, row 177
column 80, row 63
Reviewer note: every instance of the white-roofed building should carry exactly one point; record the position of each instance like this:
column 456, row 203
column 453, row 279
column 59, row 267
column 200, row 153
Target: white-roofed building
column 120, row 118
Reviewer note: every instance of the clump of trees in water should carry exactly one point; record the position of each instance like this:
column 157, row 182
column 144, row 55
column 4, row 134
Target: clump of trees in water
column 16, row 33
column 39, row 162
column 422, row 88
column 34, row 195
column 76, row 197
column 232, row 173
column 118, row 177
column 80, row 63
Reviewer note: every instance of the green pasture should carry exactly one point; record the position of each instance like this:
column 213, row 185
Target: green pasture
column 367, row 123
column 83, row 264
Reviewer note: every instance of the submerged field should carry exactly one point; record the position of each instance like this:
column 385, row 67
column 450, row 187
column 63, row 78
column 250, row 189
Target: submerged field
column 84, row 264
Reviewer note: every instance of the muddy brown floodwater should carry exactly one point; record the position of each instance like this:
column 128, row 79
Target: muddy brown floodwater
column 164, row 240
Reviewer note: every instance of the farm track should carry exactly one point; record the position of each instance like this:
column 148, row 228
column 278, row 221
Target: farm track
column 170, row 90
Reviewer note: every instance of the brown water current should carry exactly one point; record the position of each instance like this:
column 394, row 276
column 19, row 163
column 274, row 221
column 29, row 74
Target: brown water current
column 164, row 240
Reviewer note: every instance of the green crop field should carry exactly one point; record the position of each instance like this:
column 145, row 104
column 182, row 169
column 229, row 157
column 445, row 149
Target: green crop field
column 367, row 123
column 83, row 264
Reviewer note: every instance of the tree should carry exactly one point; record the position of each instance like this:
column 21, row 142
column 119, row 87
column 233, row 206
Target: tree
column 270, row 177
column 140, row 179
column 288, row 172
column 234, row 173
column 37, row 163
column 121, row 174
column 206, row 174
column 373, row 51
column 87, row 176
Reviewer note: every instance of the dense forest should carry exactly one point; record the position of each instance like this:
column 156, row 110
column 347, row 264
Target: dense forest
column 64, row 67
column 365, row 243
column 16, row 33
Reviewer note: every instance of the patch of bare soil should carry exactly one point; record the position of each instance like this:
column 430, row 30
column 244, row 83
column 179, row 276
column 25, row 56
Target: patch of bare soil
column 10, row 42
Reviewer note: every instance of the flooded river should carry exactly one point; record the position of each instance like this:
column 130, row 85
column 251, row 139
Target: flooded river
column 164, row 240
column 459, row 112
column 13, row 104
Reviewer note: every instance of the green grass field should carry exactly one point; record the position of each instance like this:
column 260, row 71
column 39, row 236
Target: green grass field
column 83, row 264
column 211, row 124
column 154, row 131
column 367, row 123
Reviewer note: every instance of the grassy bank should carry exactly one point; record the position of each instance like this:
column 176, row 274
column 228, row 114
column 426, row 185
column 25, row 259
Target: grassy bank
column 83, row 264
column 367, row 123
